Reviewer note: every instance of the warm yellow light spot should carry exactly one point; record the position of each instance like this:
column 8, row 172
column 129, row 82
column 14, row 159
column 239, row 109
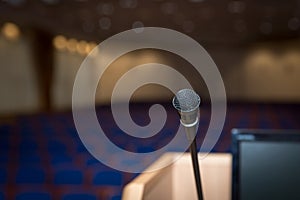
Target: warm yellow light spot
column 71, row 45
column 81, row 47
column 11, row 31
column 60, row 42
column 260, row 59
column 90, row 47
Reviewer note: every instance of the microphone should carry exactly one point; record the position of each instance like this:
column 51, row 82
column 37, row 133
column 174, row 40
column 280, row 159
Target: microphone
column 187, row 102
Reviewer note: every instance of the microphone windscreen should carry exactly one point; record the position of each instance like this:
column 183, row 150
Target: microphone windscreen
column 186, row 100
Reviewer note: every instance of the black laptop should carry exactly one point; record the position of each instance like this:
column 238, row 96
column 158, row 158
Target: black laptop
column 266, row 164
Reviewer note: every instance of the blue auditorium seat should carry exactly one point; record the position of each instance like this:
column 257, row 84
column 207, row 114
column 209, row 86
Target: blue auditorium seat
column 2, row 197
column 81, row 148
column 33, row 196
column 116, row 197
column 90, row 160
column 4, row 145
column 30, row 175
column 3, row 176
column 28, row 145
column 108, row 178
column 55, row 146
column 145, row 149
column 26, row 157
column 79, row 197
column 68, row 176
column 60, row 158
column 3, row 158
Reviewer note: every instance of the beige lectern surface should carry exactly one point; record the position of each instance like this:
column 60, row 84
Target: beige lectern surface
column 177, row 182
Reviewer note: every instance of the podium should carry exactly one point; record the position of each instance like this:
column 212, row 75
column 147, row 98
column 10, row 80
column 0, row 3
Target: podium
column 177, row 182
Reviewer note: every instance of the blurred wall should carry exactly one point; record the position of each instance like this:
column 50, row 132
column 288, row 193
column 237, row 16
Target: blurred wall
column 263, row 72
column 65, row 69
column 17, row 78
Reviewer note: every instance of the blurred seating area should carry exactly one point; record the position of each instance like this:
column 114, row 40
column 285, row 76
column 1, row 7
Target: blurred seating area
column 42, row 156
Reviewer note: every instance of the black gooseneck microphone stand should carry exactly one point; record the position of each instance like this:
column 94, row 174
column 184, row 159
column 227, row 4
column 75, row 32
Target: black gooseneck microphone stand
column 194, row 154
column 187, row 102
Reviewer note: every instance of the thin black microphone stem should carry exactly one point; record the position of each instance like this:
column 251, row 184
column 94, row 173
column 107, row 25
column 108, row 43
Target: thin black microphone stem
column 194, row 154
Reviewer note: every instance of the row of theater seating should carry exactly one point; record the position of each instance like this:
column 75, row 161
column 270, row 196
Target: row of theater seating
column 42, row 156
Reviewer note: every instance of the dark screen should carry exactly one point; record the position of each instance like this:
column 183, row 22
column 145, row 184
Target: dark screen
column 269, row 170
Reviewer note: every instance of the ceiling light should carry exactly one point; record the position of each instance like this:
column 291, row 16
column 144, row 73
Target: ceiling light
column 11, row 31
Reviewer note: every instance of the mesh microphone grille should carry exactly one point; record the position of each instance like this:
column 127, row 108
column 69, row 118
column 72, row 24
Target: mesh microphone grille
column 186, row 100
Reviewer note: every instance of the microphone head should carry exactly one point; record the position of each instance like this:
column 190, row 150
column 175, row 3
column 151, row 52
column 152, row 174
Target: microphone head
column 186, row 100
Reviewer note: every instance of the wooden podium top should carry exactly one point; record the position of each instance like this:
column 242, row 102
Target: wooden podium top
column 177, row 182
